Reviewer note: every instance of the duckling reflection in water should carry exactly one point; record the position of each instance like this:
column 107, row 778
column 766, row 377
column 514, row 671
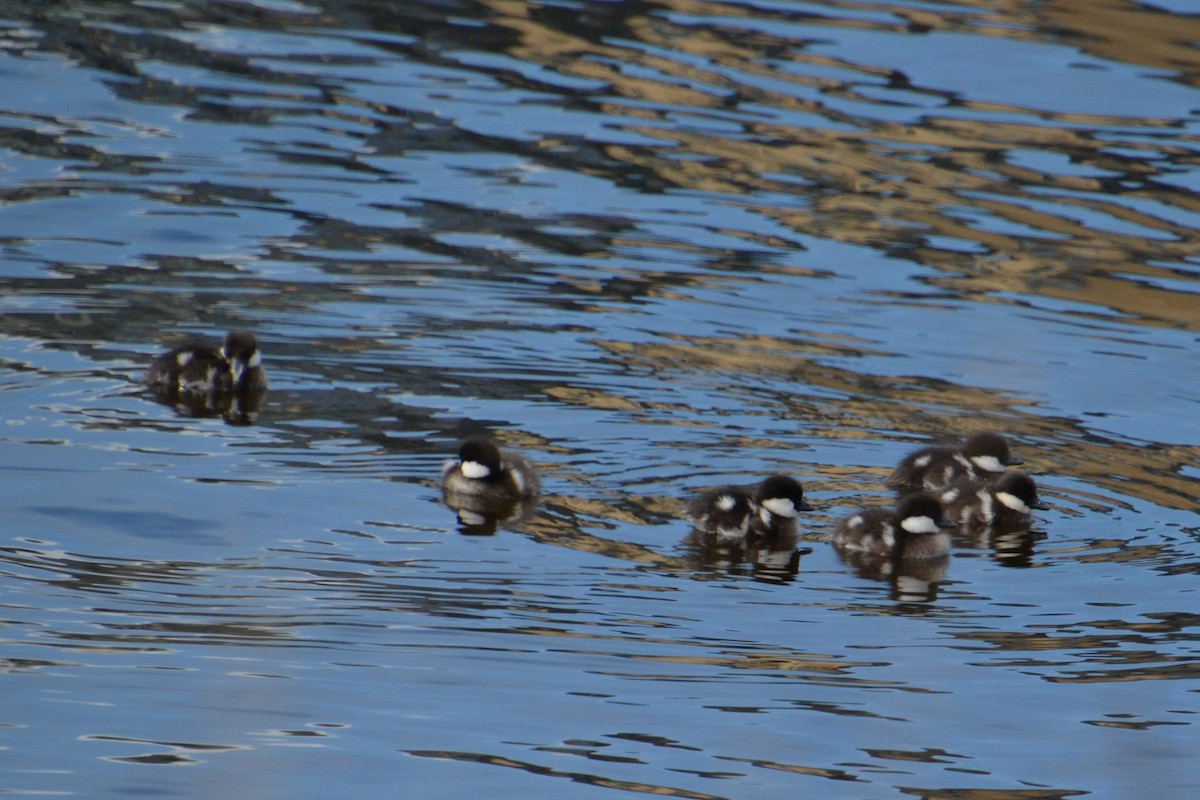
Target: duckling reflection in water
column 477, row 518
column 487, row 485
column 1008, row 548
column 775, row 560
column 200, row 379
column 909, row 578
column 917, row 580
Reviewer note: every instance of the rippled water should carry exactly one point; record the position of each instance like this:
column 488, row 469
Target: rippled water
column 656, row 247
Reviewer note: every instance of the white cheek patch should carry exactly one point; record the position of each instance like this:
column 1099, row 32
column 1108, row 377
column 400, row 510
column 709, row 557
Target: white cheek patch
column 184, row 358
column 475, row 470
column 919, row 525
column 1013, row 502
column 780, row 507
column 990, row 463
column 854, row 521
column 518, row 480
column 922, row 461
column 726, row 502
column 255, row 361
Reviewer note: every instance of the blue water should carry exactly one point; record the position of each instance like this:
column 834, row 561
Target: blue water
column 655, row 248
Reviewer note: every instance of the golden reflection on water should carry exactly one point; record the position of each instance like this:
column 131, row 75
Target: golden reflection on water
column 1128, row 32
column 878, row 182
column 866, row 403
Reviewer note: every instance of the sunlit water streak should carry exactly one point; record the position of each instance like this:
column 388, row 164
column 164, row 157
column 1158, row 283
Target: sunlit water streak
column 655, row 247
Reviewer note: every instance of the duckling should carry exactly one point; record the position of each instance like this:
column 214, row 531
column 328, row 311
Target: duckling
column 983, row 456
column 722, row 513
column 914, row 529
column 779, row 500
column 1005, row 505
column 487, row 474
column 732, row 513
column 200, row 369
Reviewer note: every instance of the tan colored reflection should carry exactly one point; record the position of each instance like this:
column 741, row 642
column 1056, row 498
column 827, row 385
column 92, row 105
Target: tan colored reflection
column 917, row 405
column 877, row 182
column 1127, row 31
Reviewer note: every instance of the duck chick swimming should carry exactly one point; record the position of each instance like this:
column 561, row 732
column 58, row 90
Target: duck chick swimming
column 913, row 529
column 983, row 456
column 199, row 368
column 733, row 513
column 486, row 473
column 1005, row 505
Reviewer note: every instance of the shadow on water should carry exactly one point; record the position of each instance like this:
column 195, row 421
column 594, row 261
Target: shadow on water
column 654, row 247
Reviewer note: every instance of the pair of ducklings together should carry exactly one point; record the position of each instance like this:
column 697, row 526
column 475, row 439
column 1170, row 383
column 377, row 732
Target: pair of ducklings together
column 940, row 487
column 201, row 369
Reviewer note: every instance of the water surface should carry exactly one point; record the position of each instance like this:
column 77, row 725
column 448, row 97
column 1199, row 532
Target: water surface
column 656, row 247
